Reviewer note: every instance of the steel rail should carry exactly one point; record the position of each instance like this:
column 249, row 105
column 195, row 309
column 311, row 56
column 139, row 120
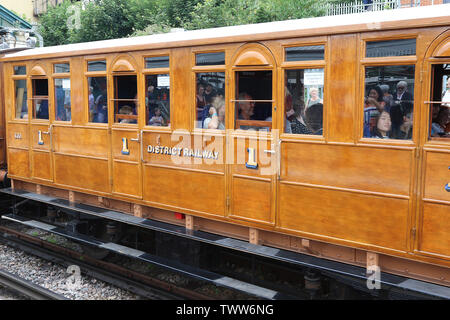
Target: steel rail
column 27, row 288
column 95, row 268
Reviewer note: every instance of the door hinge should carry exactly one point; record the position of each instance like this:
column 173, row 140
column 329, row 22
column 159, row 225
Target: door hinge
column 417, row 153
column 413, row 233
column 228, row 201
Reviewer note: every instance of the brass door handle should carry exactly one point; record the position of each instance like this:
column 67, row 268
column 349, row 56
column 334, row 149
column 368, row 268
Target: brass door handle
column 136, row 139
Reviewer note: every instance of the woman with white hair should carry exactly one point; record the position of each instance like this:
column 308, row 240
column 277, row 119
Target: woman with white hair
column 313, row 97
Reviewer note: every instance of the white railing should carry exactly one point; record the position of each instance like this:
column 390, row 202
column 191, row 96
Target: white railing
column 358, row 6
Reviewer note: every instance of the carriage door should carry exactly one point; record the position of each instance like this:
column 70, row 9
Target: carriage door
column 41, row 127
column 125, row 132
column 433, row 223
column 253, row 142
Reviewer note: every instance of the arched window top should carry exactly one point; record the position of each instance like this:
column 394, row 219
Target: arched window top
column 443, row 50
column 123, row 64
column 37, row 71
column 253, row 54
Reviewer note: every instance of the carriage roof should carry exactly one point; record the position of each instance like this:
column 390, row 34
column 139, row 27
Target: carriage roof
column 426, row 16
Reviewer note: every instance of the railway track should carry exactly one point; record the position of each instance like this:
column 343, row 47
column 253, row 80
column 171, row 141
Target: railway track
column 27, row 288
column 137, row 283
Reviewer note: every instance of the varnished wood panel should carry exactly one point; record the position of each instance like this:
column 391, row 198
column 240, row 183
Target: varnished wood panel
column 85, row 173
column 341, row 87
column 437, row 175
column 185, row 189
column 266, row 161
column 42, row 167
column 46, row 138
column 361, row 168
column 435, row 232
column 76, row 90
column 251, row 199
column 361, row 219
column 133, row 146
column 18, row 135
column 126, row 178
column 19, row 163
column 81, row 141
column 2, row 119
column 181, row 88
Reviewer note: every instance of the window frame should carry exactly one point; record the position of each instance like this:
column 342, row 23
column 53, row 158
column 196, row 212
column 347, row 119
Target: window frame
column 428, row 138
column 113, row 99
column 15, row 78
column 302, row 65
column 364, row 62
column 53, row 77
column 88, row 74
column 36, row 97
column 157, row 71
column 208, row 69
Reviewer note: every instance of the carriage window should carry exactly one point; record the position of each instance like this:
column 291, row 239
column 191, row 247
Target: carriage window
column 21, row 99
column 98, row 99
column 40, row 99
column 210, row 100
column 97, row 65
column 157, row 62
column 391, row 48
column 62, row 100
column 303, row 101
column 20, row 70
column 157, row 100
column 125, row 99
column 440, row 104
column 61, row 68
column 305, row 53
column 253, row 106
column 210, row 59
column 389, row 102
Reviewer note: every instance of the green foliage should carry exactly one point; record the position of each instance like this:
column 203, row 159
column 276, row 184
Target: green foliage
column 152, row 29
column 99, row 20
column 217, row 13
column 53, row 25
column 108, row 19
column 105, row 19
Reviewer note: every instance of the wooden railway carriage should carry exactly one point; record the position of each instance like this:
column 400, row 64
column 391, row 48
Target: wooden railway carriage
column 332, row 192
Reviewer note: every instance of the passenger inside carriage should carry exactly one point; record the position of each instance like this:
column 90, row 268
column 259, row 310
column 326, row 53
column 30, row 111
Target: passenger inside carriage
column 126, row 110
column 373, row 106
column 157, row 119
column 246, row 109
column 392, row 86
column 209, row 85
column 216, row 119
column 438, row 127
column 157, row 100
column 41, row 109
column 297, row 123
column 382, row 129
column 314, row 118
column 404, row 131
column 210, row 93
